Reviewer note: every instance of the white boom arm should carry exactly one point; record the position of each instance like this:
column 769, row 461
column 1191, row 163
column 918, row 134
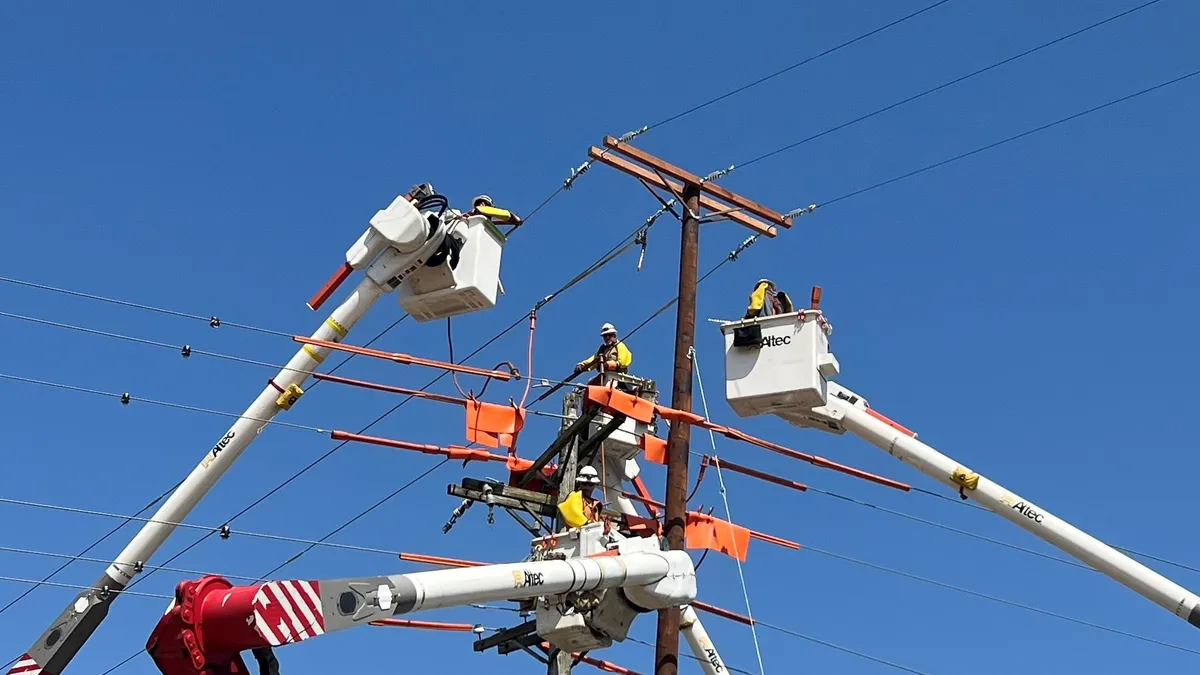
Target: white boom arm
column 1016, row 509
column 213, row 621
column 400, row 240
column 781, row 365
column 702, row 647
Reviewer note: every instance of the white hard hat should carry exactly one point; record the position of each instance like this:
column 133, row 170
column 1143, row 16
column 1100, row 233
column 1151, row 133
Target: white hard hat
column 485, row 200
column 587, row 476
column 608, row 328
column 765, row 281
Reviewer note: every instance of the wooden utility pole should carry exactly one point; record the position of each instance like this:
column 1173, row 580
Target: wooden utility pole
column 694, row 194
column 558, row 662
column 666, row 653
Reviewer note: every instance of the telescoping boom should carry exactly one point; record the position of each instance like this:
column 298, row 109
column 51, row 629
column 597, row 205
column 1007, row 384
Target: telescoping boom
column 781, row 365
column 415, row 244
column 210, row 621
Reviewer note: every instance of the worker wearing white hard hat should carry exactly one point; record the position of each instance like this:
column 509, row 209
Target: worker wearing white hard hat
column 483, row 205
column 586, row 481
column 767, row 300
column 612, row 355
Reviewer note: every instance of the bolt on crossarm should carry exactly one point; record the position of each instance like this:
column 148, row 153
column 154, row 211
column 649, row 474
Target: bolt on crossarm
column 415, row 240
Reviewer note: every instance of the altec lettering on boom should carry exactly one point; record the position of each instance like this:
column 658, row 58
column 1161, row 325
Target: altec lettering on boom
column 1029, row 512
column 216, row 449
column 776, row 341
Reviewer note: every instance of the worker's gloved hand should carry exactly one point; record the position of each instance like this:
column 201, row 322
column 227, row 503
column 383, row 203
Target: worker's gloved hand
column 579, row 368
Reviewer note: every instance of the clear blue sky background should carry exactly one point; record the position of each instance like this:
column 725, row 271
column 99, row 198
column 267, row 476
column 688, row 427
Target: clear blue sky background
column 1027, row 310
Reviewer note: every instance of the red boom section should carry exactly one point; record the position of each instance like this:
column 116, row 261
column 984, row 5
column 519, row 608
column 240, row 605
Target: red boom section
column 212, row 620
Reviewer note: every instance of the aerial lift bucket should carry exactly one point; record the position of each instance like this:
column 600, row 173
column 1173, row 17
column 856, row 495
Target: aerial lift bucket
column 785, row 370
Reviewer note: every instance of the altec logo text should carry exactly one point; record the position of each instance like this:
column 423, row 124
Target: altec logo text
column 776, row 341
column 216, row 449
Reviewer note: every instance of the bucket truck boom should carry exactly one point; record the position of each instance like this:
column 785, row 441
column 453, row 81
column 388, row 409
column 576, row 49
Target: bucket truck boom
column 781, row 365
column 587, row 591
column 415, row 244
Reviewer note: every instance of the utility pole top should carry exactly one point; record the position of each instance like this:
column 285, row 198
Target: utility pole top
column 721, row 202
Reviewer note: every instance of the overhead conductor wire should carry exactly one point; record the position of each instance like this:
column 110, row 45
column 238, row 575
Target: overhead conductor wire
column 944, row 85
column 796, row 65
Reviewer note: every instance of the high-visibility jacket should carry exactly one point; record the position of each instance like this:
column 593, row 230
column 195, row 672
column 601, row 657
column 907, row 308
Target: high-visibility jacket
column 767, row 302
column 615, row 358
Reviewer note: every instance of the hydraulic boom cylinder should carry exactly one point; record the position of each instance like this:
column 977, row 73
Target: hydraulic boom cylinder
column 1024, row 513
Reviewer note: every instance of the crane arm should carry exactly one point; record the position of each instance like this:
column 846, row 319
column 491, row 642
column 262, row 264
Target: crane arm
column 400, row 243
column 211, row 621
column 852, row 412
column 702, row 646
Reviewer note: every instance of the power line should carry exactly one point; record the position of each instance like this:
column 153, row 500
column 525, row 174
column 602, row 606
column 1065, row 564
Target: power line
column 1010, row 139
column 845, row 650
column 128, row 398
column 187, row 350
column 350, row 522
column 191, row 526
column 794, row 66
column 214, row 321
column 948, row 528
column 993, row 598
column 18, row 580
column 83, row 558
column 950, row 83
column 84, row 552
column 728, row 667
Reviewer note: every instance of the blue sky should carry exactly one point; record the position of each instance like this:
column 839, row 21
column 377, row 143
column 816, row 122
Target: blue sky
column 1026, row 310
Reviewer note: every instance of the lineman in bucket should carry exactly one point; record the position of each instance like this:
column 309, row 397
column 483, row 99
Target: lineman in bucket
column 586, row 482
column 612, row 356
